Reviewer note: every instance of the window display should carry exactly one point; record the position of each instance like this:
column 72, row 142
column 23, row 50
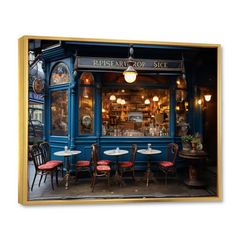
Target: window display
column 182, row 125
column 135, row 112
column 59, row 113
column 86, row 104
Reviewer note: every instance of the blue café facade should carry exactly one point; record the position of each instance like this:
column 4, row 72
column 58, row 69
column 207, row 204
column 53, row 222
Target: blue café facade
column 87, row 100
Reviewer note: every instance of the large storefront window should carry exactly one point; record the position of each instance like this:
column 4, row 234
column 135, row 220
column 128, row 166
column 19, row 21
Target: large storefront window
column 59, row 113
column 86, row 104
column 135, row 112
column 182, row 125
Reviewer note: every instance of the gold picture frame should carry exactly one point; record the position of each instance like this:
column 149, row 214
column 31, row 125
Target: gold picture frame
column 23, row 67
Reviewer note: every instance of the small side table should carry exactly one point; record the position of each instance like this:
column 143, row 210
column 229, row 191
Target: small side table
column 193, row 172
column 149, row 153
column 116, row 153
column 67, row 155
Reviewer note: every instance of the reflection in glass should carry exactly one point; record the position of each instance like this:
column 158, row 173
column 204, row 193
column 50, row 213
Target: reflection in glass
column 60, row 74
column 182, row 125
column 59, row 113
column 135, row 117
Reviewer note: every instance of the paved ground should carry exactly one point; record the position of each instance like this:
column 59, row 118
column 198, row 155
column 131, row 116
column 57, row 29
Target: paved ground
column 81, row 189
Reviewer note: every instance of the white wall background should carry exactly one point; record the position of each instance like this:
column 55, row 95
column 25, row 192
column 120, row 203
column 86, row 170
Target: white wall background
column 179, row 21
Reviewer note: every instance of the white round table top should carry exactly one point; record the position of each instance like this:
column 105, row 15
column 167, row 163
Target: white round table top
column 115, row 152
column 67, row 153
column 149, row 152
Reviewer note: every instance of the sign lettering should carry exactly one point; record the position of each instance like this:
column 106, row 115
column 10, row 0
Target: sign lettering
column 121, row 64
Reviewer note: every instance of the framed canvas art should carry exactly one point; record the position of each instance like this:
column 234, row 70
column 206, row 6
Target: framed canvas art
column 103, row 120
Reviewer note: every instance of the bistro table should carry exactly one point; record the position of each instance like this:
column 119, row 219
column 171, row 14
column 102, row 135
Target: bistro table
column 116, row 153
column 67, row 154
column 193, row 171
column 149, row 153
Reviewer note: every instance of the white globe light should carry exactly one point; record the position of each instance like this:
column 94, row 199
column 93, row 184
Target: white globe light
column 147, row 101
column 130, row 77
column 155, row 99
column 122, row 102
column 112, row 97
column 119, row 100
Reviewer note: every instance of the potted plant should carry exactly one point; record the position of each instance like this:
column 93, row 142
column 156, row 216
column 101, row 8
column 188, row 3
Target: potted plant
column 196, row 143
column 186, row 142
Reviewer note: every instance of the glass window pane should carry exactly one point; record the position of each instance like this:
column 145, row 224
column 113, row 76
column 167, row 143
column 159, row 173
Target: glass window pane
column 60, row 74
column 86, row 110
column 59, row 113
column 35, row 123
column 182, row 125
column 135, row 112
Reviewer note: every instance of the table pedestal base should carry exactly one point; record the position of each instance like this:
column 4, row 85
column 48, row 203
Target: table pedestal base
column 193, row 179
column 149, row 174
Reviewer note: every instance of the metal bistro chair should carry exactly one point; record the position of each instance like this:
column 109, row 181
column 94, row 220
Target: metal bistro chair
column 99, row 169
column 168, row 166
column 129, row 166
column 42, row 167
column 46, row 155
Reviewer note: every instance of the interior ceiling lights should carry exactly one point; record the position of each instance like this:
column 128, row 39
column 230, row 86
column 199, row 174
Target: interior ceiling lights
column 119, row 100
column 155, row 99
column 130, row 73
column 112, row 97
column 147, row 101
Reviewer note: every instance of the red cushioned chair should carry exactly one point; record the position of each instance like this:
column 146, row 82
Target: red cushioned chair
column 46, row 155
column 101, row 162
column 83, row 166
column 129, row 166
column 42, row 167
column 99, row 169
column 168, row 166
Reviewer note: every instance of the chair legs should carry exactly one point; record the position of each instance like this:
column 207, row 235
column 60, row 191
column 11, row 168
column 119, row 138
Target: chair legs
column 32, row 186
column 52, row 180
column 94, row 180
column 45, row 177
column 121, row 172
column 166, row 178
column 108, row 180
column 88, row 169
column 41, row 177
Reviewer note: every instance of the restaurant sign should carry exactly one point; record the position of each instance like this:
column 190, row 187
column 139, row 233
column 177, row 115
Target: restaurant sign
column 121, row 64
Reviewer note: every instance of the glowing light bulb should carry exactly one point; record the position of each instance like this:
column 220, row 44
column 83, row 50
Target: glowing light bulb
column 112, row 97
column 147, row 101
column 119, row 100
column 207, row 97
column 155, row 99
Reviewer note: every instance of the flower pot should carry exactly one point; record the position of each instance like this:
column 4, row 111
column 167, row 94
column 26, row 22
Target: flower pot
column 186, row 146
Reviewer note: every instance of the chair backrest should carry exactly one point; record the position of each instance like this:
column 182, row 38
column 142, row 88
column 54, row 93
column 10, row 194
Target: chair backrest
column 171, row 152
column 37, row 156
column 45, row 150
column 133, row 153
column 94, row 153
